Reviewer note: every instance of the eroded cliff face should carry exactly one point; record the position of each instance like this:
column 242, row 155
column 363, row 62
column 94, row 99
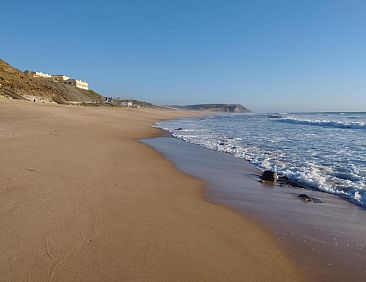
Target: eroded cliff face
column 16, row 84
column 225, row 108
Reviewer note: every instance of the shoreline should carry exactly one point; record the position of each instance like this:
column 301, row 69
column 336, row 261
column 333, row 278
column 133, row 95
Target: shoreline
column 326, row 239
column 82, row 199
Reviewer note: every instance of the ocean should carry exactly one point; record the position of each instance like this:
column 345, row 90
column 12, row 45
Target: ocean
column 320, row 151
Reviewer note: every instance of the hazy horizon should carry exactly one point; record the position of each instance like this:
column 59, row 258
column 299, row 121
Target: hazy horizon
column 270, row 57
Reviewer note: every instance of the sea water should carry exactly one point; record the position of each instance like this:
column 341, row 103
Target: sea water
column 322, row 151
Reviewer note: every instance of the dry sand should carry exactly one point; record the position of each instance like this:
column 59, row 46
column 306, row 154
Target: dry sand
column 82, row 200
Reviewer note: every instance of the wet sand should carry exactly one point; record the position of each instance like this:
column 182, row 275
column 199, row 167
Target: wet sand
column 328, row 240
column 82, row 200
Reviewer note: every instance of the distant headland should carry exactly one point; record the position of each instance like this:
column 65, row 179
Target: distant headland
column 225, row 108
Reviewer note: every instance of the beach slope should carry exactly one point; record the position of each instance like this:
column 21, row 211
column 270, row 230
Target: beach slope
column 82, row 200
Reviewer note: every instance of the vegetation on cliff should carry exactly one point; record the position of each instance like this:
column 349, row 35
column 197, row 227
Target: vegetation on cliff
column 16, row 84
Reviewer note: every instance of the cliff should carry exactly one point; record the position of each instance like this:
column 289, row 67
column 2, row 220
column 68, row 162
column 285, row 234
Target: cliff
column 225, row 108
column 135, row 103
column 16, row 84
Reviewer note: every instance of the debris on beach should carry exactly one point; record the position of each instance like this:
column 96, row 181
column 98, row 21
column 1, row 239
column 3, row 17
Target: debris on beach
column 307, row 198
column 269, row 175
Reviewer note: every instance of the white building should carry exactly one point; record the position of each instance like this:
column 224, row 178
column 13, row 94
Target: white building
column 126, row 104
column 38, row 74
column 77, row 83
column 60, row 77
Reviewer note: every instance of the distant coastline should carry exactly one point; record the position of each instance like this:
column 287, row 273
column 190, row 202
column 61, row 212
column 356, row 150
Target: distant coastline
column 225, row 108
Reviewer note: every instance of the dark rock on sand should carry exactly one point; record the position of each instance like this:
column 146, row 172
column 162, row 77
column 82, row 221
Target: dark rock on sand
column 307, row 198
column 269, row 175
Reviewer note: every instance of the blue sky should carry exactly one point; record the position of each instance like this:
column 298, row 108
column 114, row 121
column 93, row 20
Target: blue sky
column 268, row 55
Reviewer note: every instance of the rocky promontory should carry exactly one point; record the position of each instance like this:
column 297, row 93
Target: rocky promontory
column 225, row 108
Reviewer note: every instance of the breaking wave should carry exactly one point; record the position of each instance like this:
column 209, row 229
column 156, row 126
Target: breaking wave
column 324, row 123
column 315, row 157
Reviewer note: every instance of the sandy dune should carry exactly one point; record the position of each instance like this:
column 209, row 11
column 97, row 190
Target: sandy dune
column 82, row 200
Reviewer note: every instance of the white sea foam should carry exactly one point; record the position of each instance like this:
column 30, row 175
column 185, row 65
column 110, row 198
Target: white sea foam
column 330, row 157
column 325, row 123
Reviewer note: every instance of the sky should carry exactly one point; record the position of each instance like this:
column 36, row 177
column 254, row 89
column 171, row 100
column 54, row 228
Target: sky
column 271, row 56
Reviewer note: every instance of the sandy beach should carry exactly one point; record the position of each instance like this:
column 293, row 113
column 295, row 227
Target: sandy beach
column 81, row 199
